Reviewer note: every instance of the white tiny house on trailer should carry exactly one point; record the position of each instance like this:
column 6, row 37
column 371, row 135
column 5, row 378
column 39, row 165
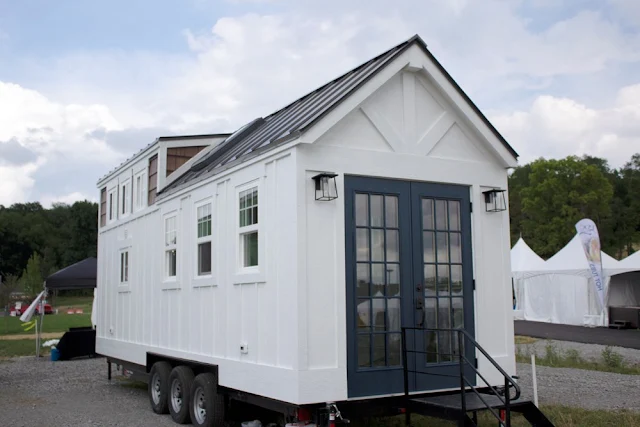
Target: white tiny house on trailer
column 219, row 249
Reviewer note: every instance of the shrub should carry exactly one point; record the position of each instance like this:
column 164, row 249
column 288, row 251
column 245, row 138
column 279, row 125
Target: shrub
column 612, row 358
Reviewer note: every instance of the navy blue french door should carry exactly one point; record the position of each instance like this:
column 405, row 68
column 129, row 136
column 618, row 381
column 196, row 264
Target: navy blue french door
column 408, row 264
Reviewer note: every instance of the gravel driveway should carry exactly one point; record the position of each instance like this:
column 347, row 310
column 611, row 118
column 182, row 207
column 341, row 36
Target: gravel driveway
column 39, row 392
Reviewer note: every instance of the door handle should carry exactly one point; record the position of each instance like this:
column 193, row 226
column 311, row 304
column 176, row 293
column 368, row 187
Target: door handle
column 419, row 305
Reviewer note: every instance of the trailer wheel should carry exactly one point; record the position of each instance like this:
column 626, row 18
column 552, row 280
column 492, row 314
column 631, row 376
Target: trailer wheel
column 180, row 382
column 207, row 406
column 159, row 387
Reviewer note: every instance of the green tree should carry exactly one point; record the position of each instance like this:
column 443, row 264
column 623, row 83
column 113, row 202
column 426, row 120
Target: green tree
column 560, row 193
column 31, row 280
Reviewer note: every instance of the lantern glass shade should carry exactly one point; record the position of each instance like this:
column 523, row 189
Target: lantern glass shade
column 494, row 200
column 326, row 186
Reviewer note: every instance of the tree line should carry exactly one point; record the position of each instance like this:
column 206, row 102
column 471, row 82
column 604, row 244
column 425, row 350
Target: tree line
column 36, row 242
column 547, row 198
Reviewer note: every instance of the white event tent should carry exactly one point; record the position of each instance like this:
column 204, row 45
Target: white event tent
column 624, row 289
column 560, row 290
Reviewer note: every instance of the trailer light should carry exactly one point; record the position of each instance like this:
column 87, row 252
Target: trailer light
column 304, row 414
column 326, row 187
column 494, row 200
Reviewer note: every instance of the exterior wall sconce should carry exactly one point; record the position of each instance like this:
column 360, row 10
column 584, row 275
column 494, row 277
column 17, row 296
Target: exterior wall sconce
column 326, row 186
column 494, row 200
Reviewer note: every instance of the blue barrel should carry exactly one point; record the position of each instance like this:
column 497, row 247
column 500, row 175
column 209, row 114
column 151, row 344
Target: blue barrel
column 55, row 354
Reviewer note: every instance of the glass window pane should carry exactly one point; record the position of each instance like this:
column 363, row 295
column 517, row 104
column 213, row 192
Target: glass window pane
column 429, row 280
column 394, row 349
column 254, row 215
column 458, row 312
column 442, row 243
column 362, row 209
column 443, row 280
column 379, row 313
column 431, row 312
column 428, row 246
column 377, row 245
column 362, row 280
column 364, row 351
column 441, row 214
column 204, row 258
column 377, row 280
column 362, row 244
column 250, row 247
column 431, row 346
column 393, row 314
column 456, row 279
column 364, row 313
column 454, row 215
column 456, row 247
column 171, row 263
column 427, row 214
column 377, row 214
column 391, row 211
column 444, row 322
column 379, row 350
column 393, row 249
column 393, row 280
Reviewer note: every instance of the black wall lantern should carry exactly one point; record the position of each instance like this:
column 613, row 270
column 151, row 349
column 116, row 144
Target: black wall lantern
column 326, row 187
column 494, row 200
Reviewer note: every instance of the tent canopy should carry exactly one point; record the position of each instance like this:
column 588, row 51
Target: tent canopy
column 632, row 261
column 81, row 275
column 524, row 259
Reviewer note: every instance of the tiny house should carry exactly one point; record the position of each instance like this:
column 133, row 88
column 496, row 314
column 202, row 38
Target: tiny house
column 296, row 257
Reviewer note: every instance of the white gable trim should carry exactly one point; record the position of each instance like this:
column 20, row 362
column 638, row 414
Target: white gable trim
column 416, row 60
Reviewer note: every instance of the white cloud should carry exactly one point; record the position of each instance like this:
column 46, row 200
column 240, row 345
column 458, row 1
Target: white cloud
column 69, row 199
column 557, row 127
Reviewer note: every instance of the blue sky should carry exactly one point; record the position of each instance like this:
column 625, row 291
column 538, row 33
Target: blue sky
column 84, row 85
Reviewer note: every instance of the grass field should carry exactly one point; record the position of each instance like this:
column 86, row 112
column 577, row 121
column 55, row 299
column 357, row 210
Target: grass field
column 15, row 348
column 63, row 303
column 561, row 416
column 52, row 323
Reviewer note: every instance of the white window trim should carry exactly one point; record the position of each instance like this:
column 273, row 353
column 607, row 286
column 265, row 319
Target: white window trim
column 170, row 282
column 113, row 191
column 142, row 203
column 253, row 274
column 124, row 286
column 205, row 280
column 125, row 191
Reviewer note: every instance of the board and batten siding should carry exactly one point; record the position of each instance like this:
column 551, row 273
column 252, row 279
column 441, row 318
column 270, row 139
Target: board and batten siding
column 208, row 319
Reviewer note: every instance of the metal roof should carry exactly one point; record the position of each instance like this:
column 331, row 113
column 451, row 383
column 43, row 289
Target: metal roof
column 287, row 123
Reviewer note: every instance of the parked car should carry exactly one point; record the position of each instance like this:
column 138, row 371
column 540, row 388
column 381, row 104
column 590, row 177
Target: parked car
column 20, row 307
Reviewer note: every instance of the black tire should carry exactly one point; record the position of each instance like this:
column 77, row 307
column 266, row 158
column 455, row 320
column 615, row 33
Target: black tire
column 182, row 376
column 159, row 387
column 204, row 396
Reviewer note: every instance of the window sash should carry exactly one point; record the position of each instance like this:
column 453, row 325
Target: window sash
column 171, row 233
column 171, row 259
column 248, row 207
column 250, row 249
column 204, row 221
column 124, row 267
column 205, row 258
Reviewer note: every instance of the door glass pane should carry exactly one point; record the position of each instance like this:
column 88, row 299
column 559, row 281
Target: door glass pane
column 458, row 313
column 456, row 248
column 394, row 348
column 393, row 314
column 429, row 280
column 454, row 215
column 444, row 322
column 364, row 351
column 377, row 280
column 443, row 280
column 377, row 245
column 431, row 346
column 391, row 211
column 393, row 280
column 379, row 350
column 379, row 314
column 362, row 209
column 393, row 249
column 456, row 279
column 428, row 246
column 364, row 313
column 377, row 212
column 441, row 214
column 362, row 280
column 427, row 214
column 362, row 244
column 442, row 243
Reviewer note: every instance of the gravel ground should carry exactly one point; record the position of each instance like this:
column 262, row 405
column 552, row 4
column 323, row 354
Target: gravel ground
column 39, row 392
column 581, row 388
column 592, row 352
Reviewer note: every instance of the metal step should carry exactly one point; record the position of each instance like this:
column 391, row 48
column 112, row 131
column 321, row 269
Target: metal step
column 454, row 402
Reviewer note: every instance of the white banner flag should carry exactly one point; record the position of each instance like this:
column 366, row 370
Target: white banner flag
column 588, row 233
column 26, row 316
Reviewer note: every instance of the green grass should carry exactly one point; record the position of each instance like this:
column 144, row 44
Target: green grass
column 525, row 340
column 52, row 323
column 560, row 416
column 15, row 348
column 610, row 360
column 62, row 303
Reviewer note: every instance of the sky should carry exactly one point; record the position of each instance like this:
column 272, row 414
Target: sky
column 85, row 84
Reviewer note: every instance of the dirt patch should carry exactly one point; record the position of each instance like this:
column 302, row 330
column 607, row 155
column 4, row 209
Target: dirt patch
column 44, row 335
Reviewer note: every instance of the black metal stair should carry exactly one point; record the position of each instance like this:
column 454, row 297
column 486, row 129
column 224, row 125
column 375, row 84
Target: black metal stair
column 470, row 399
